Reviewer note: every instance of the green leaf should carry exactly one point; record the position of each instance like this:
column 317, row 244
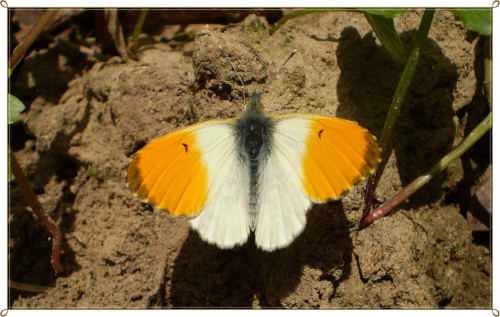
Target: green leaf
column 388, row 36
column 386, row 13
column 479, row 20
column 299, row 13
column 15, row 107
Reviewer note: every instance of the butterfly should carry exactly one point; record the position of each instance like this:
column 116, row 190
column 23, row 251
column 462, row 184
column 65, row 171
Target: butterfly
column 256, row 173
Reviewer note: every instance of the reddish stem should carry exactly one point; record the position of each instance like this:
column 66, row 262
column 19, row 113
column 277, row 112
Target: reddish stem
column 40, row 213
column 396, row 104
column 449, row 158
column 21, row 49
column 370, row 190
column 394, row 201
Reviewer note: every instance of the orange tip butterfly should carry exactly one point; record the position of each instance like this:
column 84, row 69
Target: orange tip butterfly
column 256, row 173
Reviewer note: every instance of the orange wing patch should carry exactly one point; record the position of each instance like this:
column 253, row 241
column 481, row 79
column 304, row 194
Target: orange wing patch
column 170, row 173
column 338, row 154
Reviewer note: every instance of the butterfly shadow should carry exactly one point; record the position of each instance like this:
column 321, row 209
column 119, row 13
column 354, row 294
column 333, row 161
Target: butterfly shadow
column 206, row 276
column 425, row 129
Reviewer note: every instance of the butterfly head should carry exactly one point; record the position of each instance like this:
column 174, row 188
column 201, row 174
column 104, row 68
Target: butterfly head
column 255, row 103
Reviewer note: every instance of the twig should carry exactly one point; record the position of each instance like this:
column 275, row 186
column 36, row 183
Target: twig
column 466, row 143
column 21, row 49
column 116, row 32
column 40, row 213
column 397, row 101
column 28, row 287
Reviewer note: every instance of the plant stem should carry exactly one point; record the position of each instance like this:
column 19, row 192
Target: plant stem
column 466, row 143
column 40, row 213
column 138, row 27
column 388, row 36
column 28, row 287
column 397, row 101
column 21, row 49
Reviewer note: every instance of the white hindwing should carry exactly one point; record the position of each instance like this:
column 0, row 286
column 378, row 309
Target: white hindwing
column 224, row 220
column 283, row 204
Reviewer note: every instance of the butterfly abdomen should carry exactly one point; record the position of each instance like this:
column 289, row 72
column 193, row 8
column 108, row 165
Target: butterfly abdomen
column 253, row 130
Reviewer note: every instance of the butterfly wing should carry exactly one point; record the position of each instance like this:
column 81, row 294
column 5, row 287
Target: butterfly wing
column 312, row 159
column 196, row 172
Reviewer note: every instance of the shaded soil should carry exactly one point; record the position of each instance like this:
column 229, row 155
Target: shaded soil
column 85, row 119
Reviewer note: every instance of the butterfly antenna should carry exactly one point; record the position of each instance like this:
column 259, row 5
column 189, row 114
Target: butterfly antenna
column 234, row 69
column 275, row 75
